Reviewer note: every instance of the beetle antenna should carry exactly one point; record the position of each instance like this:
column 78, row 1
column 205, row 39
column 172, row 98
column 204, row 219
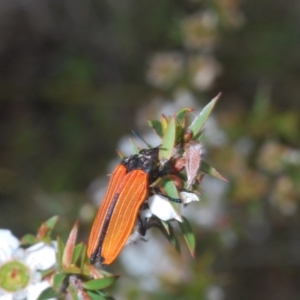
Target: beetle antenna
column 138, row 136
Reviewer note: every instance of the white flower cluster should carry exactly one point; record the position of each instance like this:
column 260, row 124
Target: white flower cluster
column 20, row 269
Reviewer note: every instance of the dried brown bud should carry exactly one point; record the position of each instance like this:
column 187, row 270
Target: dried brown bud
column 187, row 136
column 193, row 155
column 177, row 181
column 178, row 164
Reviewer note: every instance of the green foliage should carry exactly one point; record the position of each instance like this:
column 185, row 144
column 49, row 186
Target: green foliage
column 197, row 125
column 74, row 275
column 177, row 136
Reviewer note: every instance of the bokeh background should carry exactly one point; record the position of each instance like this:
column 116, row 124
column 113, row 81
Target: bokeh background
column 77, row 76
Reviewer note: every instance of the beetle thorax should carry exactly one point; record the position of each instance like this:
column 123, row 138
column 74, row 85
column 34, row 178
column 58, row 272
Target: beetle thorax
column 146, row 160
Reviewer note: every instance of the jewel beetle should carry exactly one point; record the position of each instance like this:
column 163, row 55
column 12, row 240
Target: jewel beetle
column 127, row 191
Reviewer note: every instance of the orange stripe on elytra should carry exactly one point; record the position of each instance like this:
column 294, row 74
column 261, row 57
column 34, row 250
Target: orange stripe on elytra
column 115, row 181
column 132, row 195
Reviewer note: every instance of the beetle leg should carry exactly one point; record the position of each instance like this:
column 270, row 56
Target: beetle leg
column 142, row 226
column 157, row 191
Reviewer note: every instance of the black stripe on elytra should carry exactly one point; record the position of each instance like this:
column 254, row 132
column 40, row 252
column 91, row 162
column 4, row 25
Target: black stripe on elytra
column 97, row 253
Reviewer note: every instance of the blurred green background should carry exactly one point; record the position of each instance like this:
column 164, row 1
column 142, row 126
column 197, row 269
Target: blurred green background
column 76, row 76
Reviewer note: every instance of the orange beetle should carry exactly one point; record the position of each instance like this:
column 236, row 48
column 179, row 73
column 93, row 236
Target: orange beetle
column 118, row 212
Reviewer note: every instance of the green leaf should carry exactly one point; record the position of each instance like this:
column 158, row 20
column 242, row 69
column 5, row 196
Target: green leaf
column 29, row 239
column 58, row 280
column 45, row 229
column 156, row 125
column 170, row 236
column 78, row 252
column 170, row 188
column 95, row 296
column 47, row 294
column 83, row 256
column 72, row 269
column 168, row 141
column 164, row 123
column 51, row 223
column 92, row 271
column 199, row 122
column 46, row 272
column 206, row 168
column 99, row 284
column 181, row 115
column 59, row 253
column 166, row 226
column 171, row 191
column 188, row 235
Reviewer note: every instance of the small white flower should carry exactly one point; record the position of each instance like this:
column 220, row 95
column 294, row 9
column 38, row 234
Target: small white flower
column 215, row 292
column 162, row 207
column 204, row 70
column 188, row 197
column 41, row 256
column 165, row 69
column 20, row 276
column 200, row 30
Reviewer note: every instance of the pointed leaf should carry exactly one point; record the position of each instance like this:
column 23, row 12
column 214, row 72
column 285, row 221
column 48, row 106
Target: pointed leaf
column 106, row 274
column 46, row 273
column 96, row 296
column 78, row 252
column 83, row 256
column 170, row 189
column 93, row 271
column 206, row 168
column 166, row 226
column 46, row 227
column 42, row 231
column 59, row 253
column 99, row 284
column 48, row 293
column 199, row 122
column 181, row 115
column 70, row 245
column 58, row 280
column 188, row 235
column 72, row 269
column 51, row 223
column 157, row 126
column 166, row 229
column 164, row 123
column 165, row 152
column 170, row 236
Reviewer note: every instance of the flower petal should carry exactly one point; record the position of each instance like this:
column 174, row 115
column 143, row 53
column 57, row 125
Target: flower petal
column 20, row 295
column 4, row 295
column 34, row 290
column 8, row 243
column 187, row 197
column 162, row 208
column 41, row 256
